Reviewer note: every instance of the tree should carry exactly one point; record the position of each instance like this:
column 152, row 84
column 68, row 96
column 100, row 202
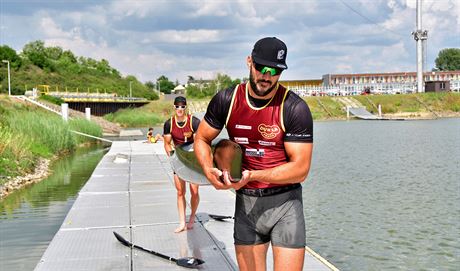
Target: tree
column 7, row 53
column 35, row 52
column 53, row 53
column 165, row 85
column 150, row 85
column 448, row 59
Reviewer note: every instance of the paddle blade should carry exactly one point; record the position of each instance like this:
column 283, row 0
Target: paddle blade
column 220, row 217
column 122, row 240
column 189, row 262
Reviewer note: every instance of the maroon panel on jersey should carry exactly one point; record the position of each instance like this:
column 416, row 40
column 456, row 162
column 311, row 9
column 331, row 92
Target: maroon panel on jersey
column 182, row 134
column 258, row 131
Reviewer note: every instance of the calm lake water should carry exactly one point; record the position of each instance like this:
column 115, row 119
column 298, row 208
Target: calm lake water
column 30, row 218
column 385, row 195
column 381, row 195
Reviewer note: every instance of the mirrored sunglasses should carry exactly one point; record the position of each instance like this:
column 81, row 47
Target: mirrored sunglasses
column 180, row 106
column 264, row 69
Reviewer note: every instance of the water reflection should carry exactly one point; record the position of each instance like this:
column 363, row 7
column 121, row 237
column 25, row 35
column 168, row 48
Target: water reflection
column 30, row 217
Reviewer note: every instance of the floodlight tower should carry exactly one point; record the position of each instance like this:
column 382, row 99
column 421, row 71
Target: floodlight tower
column 420, row 37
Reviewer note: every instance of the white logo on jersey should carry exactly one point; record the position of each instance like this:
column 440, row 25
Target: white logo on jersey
column 241, row 140
column 255, row 152
column 266, row 143
column 244, row 127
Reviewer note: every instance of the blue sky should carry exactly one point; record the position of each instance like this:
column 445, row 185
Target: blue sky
column 149, row 38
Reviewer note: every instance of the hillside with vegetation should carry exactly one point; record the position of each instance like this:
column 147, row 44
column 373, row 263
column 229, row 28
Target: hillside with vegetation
column 62, row 70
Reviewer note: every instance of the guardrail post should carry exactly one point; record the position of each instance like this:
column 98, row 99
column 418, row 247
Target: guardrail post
column 348, row 112
column 88, row 113
column 65, row 111
column 380, row 110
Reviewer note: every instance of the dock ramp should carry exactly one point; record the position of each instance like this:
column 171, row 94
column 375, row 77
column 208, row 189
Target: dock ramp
column 362, row 113
column 131, row 192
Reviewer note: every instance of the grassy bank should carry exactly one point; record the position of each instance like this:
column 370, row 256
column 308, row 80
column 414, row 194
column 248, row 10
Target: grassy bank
column 448, row 102
column 322, row 108
column 28, row 133
column 152, row 114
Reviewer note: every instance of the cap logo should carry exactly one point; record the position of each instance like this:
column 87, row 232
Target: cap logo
column 280, row 54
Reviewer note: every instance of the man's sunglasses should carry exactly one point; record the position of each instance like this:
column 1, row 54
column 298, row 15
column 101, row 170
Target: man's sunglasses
column 264, row 69
column 180, row 106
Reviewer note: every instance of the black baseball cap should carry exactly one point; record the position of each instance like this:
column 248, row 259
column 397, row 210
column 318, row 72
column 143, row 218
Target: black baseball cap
column 270, row 52
column 180, row 100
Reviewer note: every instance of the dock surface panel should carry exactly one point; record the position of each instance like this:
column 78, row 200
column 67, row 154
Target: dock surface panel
column 132, row 192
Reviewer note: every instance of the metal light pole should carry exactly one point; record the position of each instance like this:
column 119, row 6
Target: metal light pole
column 130, row 90
column 420, row 36
column 9, row 80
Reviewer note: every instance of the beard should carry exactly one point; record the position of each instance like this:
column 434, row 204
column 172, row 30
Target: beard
column 260, row 92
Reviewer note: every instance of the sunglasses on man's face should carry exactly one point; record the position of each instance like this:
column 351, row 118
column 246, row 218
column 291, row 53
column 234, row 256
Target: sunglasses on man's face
column 264, row 69
column 180, row 106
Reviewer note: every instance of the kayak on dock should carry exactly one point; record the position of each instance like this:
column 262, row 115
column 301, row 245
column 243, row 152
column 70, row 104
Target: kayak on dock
column 227, row 156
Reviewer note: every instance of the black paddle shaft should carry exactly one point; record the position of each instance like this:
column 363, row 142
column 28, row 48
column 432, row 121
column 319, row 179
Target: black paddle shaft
column 129, row 244
column 188, row 262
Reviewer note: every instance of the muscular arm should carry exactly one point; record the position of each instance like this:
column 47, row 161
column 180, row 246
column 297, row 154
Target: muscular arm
column 167, row 143
column 294, row 171
column 167, row 137
column 202, row 146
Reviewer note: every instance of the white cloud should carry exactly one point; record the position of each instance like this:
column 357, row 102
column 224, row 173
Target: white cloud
column 212, row 8
column 201, row 38
column 188, row 36
column 139, row 9
column 51, row 29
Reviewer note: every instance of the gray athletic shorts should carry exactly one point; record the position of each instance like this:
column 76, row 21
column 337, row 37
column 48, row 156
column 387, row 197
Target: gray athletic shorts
column 276, row 218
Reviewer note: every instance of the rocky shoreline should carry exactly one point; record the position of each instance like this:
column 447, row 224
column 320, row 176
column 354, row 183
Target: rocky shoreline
column 41, row 171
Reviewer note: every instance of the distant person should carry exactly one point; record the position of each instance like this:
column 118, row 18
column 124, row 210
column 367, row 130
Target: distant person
column 151, row 138
column 178, row 130
column 274, row 128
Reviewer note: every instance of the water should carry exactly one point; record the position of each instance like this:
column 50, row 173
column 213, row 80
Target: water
column 30, row 218
column 381, row 195
column 385, row 195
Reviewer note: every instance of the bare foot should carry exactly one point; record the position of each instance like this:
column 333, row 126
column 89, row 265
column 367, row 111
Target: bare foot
column 180, row 228
column 190, row 224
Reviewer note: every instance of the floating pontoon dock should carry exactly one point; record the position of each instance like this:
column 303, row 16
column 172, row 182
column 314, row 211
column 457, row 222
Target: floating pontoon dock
column 132, row 193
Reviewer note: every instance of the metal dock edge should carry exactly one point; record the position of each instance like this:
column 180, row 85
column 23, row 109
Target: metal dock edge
column 131, row 192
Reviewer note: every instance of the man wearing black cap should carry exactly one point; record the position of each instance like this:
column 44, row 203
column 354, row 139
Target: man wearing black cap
column 274, row 128
column 178, row 130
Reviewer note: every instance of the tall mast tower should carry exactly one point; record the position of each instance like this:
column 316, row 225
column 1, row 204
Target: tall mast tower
column 420, row 37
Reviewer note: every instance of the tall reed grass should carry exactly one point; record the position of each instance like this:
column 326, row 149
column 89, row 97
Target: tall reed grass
column 27, row 133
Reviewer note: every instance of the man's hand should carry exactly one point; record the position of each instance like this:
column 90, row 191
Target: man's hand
column 221, row 179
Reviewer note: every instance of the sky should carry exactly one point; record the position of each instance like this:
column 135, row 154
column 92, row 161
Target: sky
column 201, row 38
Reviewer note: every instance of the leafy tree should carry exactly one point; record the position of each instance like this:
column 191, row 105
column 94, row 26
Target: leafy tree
column 165, row 85
column 69, row 55
column 221, row 82
column 448, row 59
column 103, row 66
column 7, row 53
column 190, row 79
column 150, row 85
column 35, row 52
column 53, row 53
column 68, row 63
